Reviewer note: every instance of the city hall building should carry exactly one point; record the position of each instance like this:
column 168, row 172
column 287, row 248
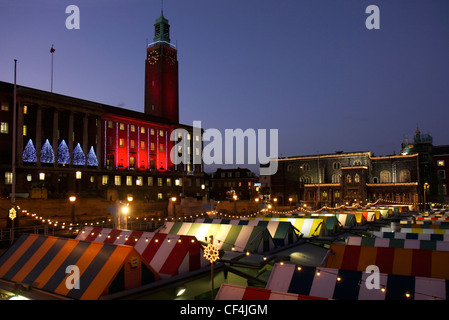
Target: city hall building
column 66, row 145
column 346, row 178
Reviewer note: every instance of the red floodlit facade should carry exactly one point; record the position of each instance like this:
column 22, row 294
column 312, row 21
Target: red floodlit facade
column 68, row 145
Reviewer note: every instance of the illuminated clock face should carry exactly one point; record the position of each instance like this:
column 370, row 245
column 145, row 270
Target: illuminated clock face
column 153, row 57
column 171, row 58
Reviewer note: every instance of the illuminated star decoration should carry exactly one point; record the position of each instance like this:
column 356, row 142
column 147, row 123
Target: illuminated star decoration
column 211, row 253
column 12, row 213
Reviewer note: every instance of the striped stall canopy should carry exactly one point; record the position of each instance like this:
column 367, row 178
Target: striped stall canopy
column 345, row 219
column 398, row 243
column 362, row 217
column 234, row 292
column 42, row 262
column 309, row 227
column 282, row 233
column 425, row 224
column 338, row 284
column 239, row 238
column 400, row 261
column 417, row 229
column 385, row 212
column 417, row 236
column 168, row 255
column 432, row 219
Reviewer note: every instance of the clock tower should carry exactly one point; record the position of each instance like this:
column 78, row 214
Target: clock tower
column 161, row 75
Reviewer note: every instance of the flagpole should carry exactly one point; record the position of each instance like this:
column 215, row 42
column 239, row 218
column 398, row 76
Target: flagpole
column 51, row 85
column 13, row 164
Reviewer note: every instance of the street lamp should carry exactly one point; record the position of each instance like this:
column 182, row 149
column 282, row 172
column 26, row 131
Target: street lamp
column 290, row 201
column 173, row 201
column 72, row 199
column 426, row 187
column 235, row 203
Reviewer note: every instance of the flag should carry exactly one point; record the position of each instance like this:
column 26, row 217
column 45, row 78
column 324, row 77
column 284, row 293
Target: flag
column 52, row 50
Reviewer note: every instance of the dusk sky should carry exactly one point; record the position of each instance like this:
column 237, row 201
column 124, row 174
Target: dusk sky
column 308, row 68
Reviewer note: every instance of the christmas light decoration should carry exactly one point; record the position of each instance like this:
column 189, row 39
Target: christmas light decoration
column 92, row 158
column 47, row 154
column 63, row 153
column 78, row 156
column 29, row 153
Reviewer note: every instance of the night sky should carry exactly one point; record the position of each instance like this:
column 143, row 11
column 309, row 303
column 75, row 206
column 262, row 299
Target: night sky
column 308, row 68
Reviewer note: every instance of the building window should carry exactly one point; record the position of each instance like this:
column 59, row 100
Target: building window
column 139, row 181
column 132, row 162
column 306, row 179
column 357, row 163
column 306, row 167
column 152, row 146
column 442, row 174
column 440, row 163
column 357, row 178
column 385, row 177
column 161, row 148
column 25, row 109
column 5, row 106
column 129, row 180
column 131, row 144
column 132, row 128
column 150, row 181
column 160, row 182
column 168, row 182
column 25, row 130
column 118, row 180
column 142, row 145
column 160, row 196
column 110, row 124
column 29, row 177
column 92, row 179
column 152, row 132
column 375, row 180
column 324, row 195
column 337, row 195
column 161, row 133
column 4, row 127
column 8, row 177
column 104, row 180
column 404, row 176
column 121, row 142
column 348, row 178
column 336, row 165
column 110, row 141
column 142, row 130
column 122, row 126
column 336, row 178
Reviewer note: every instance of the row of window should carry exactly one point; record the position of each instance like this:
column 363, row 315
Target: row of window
column 385, row 177
column 230, row 184
column 306, row 166
column 5, row 107
column 118, row 180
